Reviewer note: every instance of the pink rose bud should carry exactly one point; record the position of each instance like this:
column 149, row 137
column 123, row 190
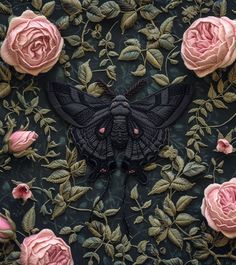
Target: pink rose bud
column 20, row 140
column 7, row 229
column 22, row 191
column 224, row 146
column 45, row 248
column 209, row 44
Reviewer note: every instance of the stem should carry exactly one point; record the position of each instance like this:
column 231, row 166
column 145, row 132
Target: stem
column 220, row 125
column 79, row 209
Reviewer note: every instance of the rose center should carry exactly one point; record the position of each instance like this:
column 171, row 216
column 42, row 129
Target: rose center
column 227, row 199
column 56, row 255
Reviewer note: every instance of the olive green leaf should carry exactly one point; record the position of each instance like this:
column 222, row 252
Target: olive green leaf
column 128, row 20
column 37, row 4
column 48, row 8
column 85, row 73
column 94, row 14
column 140, row 71
column 28, row 221
column 130, row 53
column 95, row 89
column 175, row 237
column 110, row 9
column 71, row 7
column 155, row 57
column 161, row 79
column 149, row 11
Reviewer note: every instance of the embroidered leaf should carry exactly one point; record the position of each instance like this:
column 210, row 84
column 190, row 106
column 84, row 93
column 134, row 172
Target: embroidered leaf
column 71, row 7
column 140, row 71
column 130, row 53
column 160, row 186
column 37, row 4
column 128, row 20
column 110, row 9
column 155, row 57
column 149, row 12
column 193, row 169
column 161, row 79
column 85, row 73
column 58, row 176
column 48, row 8
column 175, row 237
column 94, row 14
column 183, row 202
column 95, row 89
column 181, row 184
column 28, row 222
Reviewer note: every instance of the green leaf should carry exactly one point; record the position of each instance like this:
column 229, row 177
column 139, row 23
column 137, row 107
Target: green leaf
column 167, row 25
column 161, row 79
column 193, row 169
column 48, row 8
column 94, row 14
column 58, row 176
column 149, row 11
column 134, row 193
column 140, row 259
column 128, row 20
column 74, row 40
column 71, row 7
column 110, row 9
column 95, row 89
column 183, row 202
column 155, row 58
column 159, row 187
column 184, row 219
column 5, row 89
column 181, row 184
column 175, row 237
column 85, row 73
column 28, row 222
column 169, row 206
column 130, row 53
column 140, row 71
column 92, row 242
column 229, row 97
column 37, row 4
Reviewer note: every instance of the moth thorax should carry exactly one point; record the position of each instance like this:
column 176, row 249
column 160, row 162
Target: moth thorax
column 119, row 134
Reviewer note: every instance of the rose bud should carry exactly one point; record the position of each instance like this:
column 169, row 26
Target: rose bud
column 20, row 140
column 7, row 229
column 22, row 191
column 224, row 146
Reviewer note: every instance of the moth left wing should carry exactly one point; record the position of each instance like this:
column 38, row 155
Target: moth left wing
column 149, row 122
column 91, row 120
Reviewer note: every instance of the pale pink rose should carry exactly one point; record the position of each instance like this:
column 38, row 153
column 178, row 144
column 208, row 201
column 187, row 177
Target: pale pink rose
column 21, row 140
column 224, row 146
column 208, row 44
column 32, row 44
column 219, row 207
column 45, row 248
column 7, row 229
column 22, row 191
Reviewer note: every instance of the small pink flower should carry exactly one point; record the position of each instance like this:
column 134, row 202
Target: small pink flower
column 32, row 45
column 219, row 207
column 20, row 140
column 208, row 44
column 45, row 248
column 22, row 191
column 7, row 228
column 224, row 146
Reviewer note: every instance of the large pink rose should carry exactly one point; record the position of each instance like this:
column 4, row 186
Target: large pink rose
column 208, row 44
column 219, row 207
column 32, row 45
column 45, row 248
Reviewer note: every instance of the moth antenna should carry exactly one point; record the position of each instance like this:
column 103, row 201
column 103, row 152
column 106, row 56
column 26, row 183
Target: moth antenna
column 107, row 90
column 135, row 88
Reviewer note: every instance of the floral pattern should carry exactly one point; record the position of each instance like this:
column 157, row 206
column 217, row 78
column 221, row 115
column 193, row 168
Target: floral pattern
column 118, row 42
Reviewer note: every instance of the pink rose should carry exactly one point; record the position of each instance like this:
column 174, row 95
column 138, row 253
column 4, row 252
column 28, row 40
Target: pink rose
column 45, row 248
column 7, row 229
column 32, row 45
column 20, row 140
column 219, row 207
column 22, row 191
column 208, row 44
column 224, row 146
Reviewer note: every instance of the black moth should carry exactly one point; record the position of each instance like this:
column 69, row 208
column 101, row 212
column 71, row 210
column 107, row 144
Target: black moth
column 101, row 127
